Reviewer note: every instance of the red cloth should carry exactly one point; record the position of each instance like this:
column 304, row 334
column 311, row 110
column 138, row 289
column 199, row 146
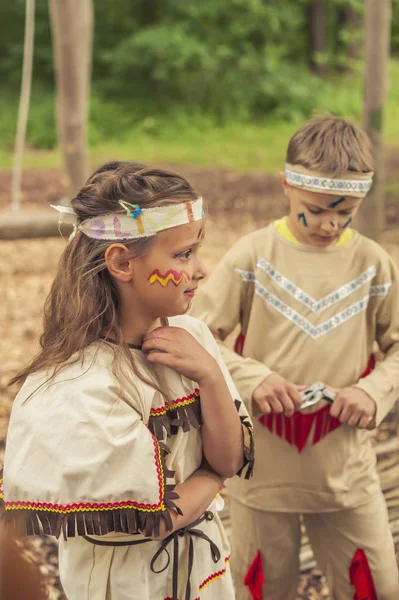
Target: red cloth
column 361, row 577
column 296, row 429
column 239, row 344
column 254, row 578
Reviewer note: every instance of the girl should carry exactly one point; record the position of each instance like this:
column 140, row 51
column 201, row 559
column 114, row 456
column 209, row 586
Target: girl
column 125, row 427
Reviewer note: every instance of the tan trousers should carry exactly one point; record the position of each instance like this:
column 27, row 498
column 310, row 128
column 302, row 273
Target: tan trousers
column 334, row 537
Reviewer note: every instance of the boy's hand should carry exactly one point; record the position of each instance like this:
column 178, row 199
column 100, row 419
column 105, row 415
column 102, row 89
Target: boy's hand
column 277, row 395
column 178, row 349
column 353, row 407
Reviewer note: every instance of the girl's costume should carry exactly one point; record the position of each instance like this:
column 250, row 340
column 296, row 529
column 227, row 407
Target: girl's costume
column 96, row 464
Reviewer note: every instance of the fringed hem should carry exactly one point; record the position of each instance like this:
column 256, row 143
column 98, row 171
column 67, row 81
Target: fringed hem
column 186, row 416
column 129, row 520
column 300, row 428
column 247, row 468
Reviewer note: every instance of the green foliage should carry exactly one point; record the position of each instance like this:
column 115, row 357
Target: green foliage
column 182, row 62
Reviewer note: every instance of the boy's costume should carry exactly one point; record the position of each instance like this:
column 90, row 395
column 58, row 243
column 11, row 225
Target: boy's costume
column 97, row 465
column 309, row 314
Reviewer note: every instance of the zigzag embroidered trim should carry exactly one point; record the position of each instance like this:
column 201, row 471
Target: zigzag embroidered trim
column 305, row 325
column 183, row 412
column 127, row 516
column 380, row 290
column 215, row 576
column 300, row 321
column 317, row 306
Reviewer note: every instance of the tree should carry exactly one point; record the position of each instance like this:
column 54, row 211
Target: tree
column 26, row 84
column 317, row 34
column 378, row 25
column 72, row 25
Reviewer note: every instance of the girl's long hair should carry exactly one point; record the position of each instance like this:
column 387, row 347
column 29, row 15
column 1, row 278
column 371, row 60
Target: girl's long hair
column 82, row 306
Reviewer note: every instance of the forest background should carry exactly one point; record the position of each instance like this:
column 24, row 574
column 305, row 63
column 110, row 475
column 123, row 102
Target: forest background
column 210, row 82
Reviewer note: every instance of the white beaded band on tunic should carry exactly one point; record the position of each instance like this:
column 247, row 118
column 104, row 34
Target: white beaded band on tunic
column 350, row 183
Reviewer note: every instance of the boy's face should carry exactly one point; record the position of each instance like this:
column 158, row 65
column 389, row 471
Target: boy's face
column 318, row 219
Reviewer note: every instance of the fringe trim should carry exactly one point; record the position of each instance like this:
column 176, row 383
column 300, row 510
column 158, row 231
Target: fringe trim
column 98, row 522
column 296, row 429
column 249, row 446
column 187, row 416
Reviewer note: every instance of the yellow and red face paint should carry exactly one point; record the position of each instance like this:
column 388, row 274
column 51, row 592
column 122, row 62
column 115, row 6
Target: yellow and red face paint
column 175, row 277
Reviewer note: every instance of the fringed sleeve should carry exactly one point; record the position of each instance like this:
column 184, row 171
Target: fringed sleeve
column 80, row 460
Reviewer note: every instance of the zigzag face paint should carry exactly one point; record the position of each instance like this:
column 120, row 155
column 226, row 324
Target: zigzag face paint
column 176, row 277
column 335, row 203
column 302, row 217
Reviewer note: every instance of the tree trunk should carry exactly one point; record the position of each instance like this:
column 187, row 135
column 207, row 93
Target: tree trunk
column 72, row 23
column 317, row 34
column 352, row 21
column 26, row 84
column 378, row 26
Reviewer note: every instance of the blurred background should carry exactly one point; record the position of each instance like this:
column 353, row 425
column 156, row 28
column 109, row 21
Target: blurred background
column 213, row 89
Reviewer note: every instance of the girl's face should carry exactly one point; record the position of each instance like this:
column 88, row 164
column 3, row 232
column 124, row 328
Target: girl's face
column 319, row 219
column 166, row 278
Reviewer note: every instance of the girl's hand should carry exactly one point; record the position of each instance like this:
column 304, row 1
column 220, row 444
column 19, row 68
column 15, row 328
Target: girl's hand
column 354, row 407
column 277, row 395
column 178, row 349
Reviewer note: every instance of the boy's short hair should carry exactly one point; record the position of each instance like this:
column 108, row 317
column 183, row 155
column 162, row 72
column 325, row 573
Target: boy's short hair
column 331, row 145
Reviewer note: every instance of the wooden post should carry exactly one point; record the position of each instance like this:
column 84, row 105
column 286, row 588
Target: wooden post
column 72, row 23
column 317, row 34
column 378, row 26
column 26, row 84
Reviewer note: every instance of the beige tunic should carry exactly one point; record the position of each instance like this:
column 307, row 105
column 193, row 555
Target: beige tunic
column 308, row 314
column 81, row 460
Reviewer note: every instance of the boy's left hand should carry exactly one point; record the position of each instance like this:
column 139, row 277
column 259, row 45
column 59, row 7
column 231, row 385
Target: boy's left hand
column 353, row 407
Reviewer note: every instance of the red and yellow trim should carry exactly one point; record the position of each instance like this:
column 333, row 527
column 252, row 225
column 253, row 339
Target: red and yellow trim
column 98, row 506
column 185, row 401
column 215, row 576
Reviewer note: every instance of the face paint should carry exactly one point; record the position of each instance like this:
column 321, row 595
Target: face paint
column 347, row 222
column 175, row 277
column 302, row 217
column 332, row 223
column 201, row 234
column 335, row 203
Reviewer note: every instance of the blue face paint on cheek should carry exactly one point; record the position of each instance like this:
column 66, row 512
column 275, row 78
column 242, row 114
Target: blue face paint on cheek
column 335, row 203
column 347, row 222
column 302, row 217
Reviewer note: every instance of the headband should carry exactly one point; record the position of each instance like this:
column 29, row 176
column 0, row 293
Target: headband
column 136, row 223
column 350, row 183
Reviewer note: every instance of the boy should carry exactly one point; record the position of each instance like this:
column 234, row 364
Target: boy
column 311, row 297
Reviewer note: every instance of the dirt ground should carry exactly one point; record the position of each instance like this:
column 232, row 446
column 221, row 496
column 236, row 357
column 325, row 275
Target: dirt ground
column 237, row 203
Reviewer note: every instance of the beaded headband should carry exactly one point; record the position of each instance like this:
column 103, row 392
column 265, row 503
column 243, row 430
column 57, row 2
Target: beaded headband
column 136, row 223
column 350, row 183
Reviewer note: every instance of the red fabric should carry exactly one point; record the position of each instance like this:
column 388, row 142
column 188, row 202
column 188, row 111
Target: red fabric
column 239, row 344
column 301, row 426
column 254, row 578
column 361, row 577
column 296, row 429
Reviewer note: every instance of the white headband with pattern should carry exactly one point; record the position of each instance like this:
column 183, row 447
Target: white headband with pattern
column 136, row 223
column 349, row 184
